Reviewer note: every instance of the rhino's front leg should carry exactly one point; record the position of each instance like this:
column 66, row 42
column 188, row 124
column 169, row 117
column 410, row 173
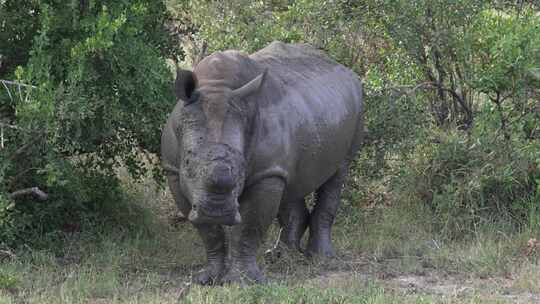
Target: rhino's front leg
column 259, row 205
column 212, row 236
column 214, row 241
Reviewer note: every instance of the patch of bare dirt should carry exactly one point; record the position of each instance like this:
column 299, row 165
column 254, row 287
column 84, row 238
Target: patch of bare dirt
column 433, row 284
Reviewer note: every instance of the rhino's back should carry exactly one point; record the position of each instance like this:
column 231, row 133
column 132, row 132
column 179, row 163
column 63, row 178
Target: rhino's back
column 294, row 63
column 313, row 120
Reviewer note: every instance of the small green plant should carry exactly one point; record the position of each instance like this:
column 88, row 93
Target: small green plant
column 8, row 281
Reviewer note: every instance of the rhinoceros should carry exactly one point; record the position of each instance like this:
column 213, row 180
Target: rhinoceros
column 249, row 138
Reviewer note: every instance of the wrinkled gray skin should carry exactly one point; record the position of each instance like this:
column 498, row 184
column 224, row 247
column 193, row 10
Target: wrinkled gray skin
column 250, row 137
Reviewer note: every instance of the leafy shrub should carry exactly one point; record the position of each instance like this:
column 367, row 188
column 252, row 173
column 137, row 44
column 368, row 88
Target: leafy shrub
column 450, row 95
column 97, row 90
column 78, row 199
column 467, row 181
column 506, row 67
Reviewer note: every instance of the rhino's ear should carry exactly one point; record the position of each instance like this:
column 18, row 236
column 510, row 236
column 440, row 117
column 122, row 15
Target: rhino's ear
column 250, row 87
column 184, row 84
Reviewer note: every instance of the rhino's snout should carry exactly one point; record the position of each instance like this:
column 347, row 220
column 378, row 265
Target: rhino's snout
column 222, row 180
column 199, row 216
column 215, row 191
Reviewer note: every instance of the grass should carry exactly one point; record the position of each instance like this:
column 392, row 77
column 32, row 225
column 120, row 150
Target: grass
column 387, row 255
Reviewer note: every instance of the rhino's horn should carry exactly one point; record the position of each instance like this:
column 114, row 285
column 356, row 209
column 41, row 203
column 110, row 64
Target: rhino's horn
column 250, row 87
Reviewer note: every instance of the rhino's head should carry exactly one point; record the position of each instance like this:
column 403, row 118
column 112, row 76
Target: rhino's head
column 212, row 163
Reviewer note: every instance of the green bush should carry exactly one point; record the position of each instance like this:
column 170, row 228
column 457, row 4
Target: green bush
column 451, row 98
column 101, row 91
column 467, row 181
column 78, row 199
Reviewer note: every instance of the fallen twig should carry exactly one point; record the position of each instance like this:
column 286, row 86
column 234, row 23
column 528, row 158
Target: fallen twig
column 34, row 191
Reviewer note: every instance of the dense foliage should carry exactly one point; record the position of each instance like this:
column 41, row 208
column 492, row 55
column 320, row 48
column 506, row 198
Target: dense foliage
column 89, row 89
column 452, row 98
column 452, row 94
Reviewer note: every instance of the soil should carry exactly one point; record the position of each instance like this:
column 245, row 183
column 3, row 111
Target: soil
column 433, row 283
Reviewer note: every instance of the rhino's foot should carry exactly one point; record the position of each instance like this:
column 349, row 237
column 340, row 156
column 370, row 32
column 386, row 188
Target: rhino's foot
column 244, row 274
column 320, row 248
column 209, row 275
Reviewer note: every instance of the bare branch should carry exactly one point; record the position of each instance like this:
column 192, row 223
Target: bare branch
column 19, row 86
column 7, row 254
column 409, row 89
column 6, row 82
column 8, row 91
column 23, row 149
column 202, row 53
column 14, row 127
column 413, row 88
column 34, row 191
column 404, row 89
column 13, row 179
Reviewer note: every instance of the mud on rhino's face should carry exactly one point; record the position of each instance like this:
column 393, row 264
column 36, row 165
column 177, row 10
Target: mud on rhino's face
column 213, row 171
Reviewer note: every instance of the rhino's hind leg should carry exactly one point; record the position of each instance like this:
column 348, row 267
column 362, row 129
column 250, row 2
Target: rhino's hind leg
column 259, row 207
column 293, row 218
column 327, row 201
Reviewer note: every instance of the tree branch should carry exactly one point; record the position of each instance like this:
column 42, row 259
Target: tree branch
column 7, row 254
column 23, row 149
column 202, row 53
column 14, row 127
column 16, row 177
column 7, row 90
column 6, row 82
column 34, row 191
column 408, row 89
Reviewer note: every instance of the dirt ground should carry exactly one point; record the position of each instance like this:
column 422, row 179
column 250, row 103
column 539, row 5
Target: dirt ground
column 437, row 285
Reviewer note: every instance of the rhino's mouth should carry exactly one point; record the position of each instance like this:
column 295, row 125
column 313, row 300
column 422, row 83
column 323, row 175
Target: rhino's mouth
column 222, row 216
